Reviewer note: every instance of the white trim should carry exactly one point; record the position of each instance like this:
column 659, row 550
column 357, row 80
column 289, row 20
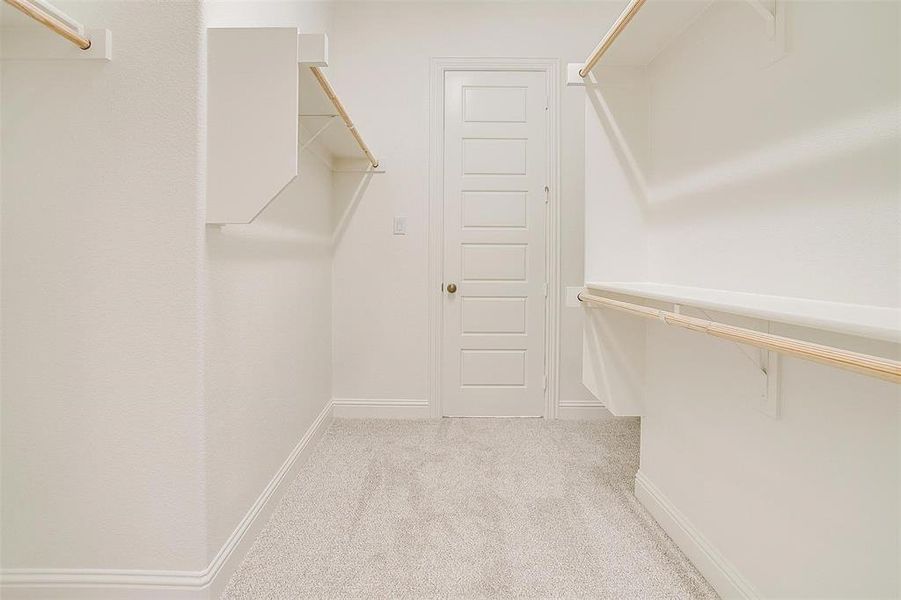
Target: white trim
column 380, row 408
column 582, row 410
column 718, row 571
column 120, row 584
column 551, row 67
column 59, row 15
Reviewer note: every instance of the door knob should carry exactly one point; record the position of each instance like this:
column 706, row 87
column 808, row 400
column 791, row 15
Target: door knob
column 451, row 288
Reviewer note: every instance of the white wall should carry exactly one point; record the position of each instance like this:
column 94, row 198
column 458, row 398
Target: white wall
column 157, row 373
column 268, row 335
column 102, row 439
column 380, row 55
column 779, row 179
column 745, row 153
column 268, row 320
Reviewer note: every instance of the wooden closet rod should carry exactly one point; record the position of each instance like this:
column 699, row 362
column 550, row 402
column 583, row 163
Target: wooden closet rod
column 342, row 112
column 618, row 26
column 874, row 366
column 48, row 20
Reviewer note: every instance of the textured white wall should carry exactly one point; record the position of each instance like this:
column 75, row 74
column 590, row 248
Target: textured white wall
column 777, row 174
column 268, row 319
column 781, row 179
column 157, row 373
column 380, row 56
column 102, row 423
column 268, row 335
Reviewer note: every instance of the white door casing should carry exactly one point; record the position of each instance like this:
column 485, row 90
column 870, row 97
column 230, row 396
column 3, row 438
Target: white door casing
column 494, row 233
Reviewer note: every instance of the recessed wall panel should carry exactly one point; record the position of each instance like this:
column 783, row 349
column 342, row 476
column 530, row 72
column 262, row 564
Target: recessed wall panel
column 494, row 315
column 494, row 156
column 493, row 262
column 494, row 209
column 494, row 104
column 493, row 368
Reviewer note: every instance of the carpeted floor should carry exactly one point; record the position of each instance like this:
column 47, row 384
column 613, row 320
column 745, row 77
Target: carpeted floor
column 467, row 508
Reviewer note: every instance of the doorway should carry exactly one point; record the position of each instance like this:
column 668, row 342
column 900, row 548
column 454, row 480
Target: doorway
column 493, row 194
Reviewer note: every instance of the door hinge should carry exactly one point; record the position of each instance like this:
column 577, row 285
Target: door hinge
column 545, row 290
column 544, row 385
column 547, row 192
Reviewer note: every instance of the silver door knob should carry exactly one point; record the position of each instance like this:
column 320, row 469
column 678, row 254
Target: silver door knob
column 451, row 288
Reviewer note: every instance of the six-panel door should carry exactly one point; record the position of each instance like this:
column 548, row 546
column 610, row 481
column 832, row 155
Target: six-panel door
column 495, row 214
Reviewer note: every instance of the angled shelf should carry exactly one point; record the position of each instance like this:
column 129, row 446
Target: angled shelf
column 63, row 38
column 875, row 322
column 251, row 119
column 259, row 79
column 645, row 28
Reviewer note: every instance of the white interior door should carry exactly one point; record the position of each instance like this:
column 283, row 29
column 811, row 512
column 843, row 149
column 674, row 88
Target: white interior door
column 495, row 214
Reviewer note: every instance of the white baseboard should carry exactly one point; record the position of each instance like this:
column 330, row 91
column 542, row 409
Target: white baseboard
column 582, row 410
column 115, row 584
column 375, row 408
column 718, row 571
column 236, row 546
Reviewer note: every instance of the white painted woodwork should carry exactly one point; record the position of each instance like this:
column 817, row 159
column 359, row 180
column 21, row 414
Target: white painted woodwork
column 252, row 119
column 610, row 37
column 494, row 262
column 495, row 209
column 495, row 172
column 877, row 322
column 318, row 117
column 486, row 368
column 766, row 194
column 494, row 315
column 312, row 49
column 485, row 156
column 494, row 104
column 872, row 366
column 56, row 21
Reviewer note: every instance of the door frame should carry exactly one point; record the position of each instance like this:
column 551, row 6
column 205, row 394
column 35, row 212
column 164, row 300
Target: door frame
column 551, row 69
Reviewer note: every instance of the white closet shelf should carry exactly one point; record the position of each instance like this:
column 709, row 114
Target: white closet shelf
column 645, row 28
column 323, row 124
column 877, row 322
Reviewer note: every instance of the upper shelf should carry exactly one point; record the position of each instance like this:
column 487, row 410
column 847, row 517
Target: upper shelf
column 855, row 319
column 323, row 117
column 63, row 38
column 645, row 28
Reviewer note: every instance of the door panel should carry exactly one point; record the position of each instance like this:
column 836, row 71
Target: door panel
column 495, row 213
column 485, row 156
column 493, row 104
column 494, row 262
column 494, row 315
column 495, row 209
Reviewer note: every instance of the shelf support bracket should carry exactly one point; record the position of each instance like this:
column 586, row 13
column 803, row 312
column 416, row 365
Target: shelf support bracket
column 313, row 137
column 767, row 366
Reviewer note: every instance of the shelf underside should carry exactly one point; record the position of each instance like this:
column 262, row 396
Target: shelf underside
column 316, row 111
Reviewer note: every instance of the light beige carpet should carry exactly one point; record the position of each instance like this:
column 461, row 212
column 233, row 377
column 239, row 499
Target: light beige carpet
column 467, row 508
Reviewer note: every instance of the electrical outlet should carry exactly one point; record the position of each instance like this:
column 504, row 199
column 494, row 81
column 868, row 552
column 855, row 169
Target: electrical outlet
column 400, row 225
